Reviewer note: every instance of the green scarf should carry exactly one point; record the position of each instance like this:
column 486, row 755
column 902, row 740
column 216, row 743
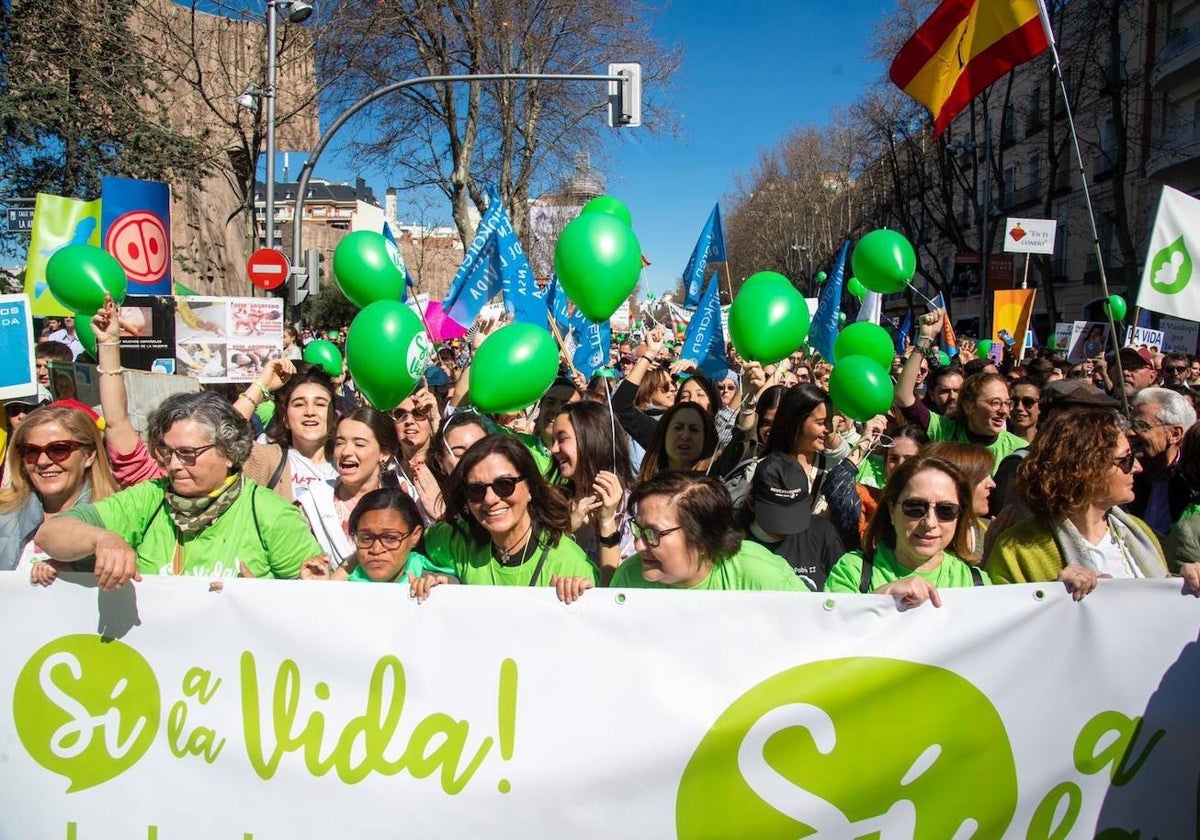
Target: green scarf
column 193, row 515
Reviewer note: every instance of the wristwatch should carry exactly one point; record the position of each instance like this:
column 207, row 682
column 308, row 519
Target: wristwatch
column 611, row 541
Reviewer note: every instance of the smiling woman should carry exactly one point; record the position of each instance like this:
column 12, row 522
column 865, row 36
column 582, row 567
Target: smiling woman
column 203, row 519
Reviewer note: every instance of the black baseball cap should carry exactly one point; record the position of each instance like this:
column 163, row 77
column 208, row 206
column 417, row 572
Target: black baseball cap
column 779, row 491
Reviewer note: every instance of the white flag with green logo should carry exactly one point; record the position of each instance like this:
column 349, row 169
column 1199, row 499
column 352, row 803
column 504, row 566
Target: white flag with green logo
column 1170, row 281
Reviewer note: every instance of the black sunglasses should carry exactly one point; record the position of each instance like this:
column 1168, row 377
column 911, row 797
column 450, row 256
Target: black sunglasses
column 919, row 509
column 503, row 487
column 421, row 413
column 1027, row 402
column 1125, row 464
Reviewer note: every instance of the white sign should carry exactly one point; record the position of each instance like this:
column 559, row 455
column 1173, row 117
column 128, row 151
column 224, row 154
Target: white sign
column 1152, row 340
column 312, row 710
column 1062, row 336
column 1029, row 236
column 1089, row 339
column 1180, row 336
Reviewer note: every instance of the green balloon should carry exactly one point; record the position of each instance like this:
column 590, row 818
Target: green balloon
column 387, row 352
column 865, row 339
column 943, row 358
column 365, row 270
column 884, row 261
column 841, row 319
column 514, row 367
column 79, row 275
column 769, row 318
column 598, row 260
column 611, row 206
column 1116, row 305
column 821, row 277
column 856, row 288
column 87, row 336
column 860, row 387
column 325, row 355
column 983, row 348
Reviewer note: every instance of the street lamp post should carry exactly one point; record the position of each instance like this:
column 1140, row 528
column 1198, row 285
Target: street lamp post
column 296, row 11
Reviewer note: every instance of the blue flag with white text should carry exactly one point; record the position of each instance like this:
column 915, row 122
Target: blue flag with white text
column 593, row 343
column 556, row 305
column 704, row 341
column 710, row 247
column 825, row 327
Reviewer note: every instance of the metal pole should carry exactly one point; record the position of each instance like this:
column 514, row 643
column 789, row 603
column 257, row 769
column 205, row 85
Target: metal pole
column 986, row 207
column 269, row 93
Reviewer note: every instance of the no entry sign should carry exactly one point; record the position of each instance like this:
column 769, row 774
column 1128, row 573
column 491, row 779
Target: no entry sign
column 268, row 268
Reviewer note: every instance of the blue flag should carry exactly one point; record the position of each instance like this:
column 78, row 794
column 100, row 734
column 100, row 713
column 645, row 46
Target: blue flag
column 824, row 330
column 522, row 298
column 393, row 250
column 556, row 305
column 710, row 247
column 903, row 331
column 593, row 344
column 704, row 341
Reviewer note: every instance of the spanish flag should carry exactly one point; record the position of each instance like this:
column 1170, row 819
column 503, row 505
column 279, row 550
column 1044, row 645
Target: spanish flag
column 964, row 47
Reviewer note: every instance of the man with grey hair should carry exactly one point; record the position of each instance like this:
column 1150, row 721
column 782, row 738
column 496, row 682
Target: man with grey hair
column 1160, row 419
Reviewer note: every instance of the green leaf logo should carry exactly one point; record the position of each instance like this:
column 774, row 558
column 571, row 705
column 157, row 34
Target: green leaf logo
column 1171, row 268
column 837, row 748
column 86, row 708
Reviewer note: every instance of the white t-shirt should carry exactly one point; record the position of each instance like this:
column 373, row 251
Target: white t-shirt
column 1109, row 558
column 71, row 340
column 306, row 472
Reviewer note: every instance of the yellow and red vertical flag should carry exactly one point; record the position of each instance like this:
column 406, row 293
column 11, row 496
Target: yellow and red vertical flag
column 962, row 48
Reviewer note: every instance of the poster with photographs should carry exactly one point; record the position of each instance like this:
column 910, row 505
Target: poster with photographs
column 1089, row 340
column 148, row 333
column 226, row 339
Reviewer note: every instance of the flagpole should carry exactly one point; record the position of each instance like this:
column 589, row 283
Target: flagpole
column 1087, row 193
column 562, row 345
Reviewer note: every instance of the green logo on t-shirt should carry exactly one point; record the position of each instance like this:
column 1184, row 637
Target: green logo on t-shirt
column 842, row 747
column 1171, row 268
column 86, row 708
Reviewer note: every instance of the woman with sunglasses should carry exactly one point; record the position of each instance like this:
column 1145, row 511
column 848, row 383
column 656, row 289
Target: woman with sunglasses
column 386, row 529
column 979, row 416
column 1026, row 409
column 595, row 466
column 510, row 526
column 57, row 462
column 203, row 519
column 363, row 446
column 686, row 536
column 416, row 418
column 917, row 538
column 975, row 463
column 1079, row 472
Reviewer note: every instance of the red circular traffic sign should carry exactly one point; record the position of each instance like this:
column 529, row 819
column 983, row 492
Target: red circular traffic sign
column 268, row 268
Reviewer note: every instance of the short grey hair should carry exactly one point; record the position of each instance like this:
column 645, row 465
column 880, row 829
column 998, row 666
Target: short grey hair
column 229, row 431
column 1174, row 409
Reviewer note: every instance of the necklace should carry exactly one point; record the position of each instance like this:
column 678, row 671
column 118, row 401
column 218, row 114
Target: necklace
column 504, row 556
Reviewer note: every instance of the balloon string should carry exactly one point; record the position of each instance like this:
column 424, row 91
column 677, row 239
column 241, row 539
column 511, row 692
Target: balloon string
column 612, row 419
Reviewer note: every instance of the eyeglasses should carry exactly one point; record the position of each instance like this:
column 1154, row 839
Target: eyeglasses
column 57, row 451
column 727, row 387
column 503, row 487
column 650, row 535
column 420, row 413
column 1143, row 426
column 390, row 541
column 1026, row 402
column 187, row 455
column 1125, row 464
column 918, row 509
column 997, row 404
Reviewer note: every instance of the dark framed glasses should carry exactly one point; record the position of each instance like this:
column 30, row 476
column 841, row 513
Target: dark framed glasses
column 919, row 509
column 57, row 451
column 420, row 413
column 503, row 487
column 391, row 540
column 1125, row 464
column 650, row 535
column 187, row 455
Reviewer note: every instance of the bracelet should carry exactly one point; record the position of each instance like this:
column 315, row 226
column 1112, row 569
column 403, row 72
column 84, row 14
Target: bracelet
column 611, row 541
column 924, row 343
column 116, row 343
column 246, row 395
column 117, row 371
column 262, row 388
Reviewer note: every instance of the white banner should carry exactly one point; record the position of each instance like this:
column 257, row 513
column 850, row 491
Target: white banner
column 293, row 710
column 1171, row 278
column 1030, row 236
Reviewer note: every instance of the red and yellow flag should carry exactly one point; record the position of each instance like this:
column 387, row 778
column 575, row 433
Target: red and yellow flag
column 964, row 47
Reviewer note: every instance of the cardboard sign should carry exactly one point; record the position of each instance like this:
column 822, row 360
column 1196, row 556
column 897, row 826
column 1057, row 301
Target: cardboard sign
column 1029, row 236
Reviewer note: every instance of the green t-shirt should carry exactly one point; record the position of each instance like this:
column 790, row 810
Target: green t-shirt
column 846, row 575
column 416, row 565
column 261, row 530
column 473, row 564
column 753, row 567
column 944, row 429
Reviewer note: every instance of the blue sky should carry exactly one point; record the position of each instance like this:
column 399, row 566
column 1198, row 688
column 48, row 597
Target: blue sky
column 751, row 72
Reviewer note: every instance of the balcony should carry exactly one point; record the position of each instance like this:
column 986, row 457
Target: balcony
column 1179, row 55
column 1022, row 197
column 1176, row 149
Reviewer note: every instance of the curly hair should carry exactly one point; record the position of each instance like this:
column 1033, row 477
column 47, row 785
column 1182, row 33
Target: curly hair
column 80, row 427
column 882, row 530
column 704, row 511
column 972, row 387
column 1189, row 460
column 548, row 506
column 1068, row 462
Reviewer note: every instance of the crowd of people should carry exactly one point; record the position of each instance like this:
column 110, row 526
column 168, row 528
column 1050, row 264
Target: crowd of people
column 648, row 474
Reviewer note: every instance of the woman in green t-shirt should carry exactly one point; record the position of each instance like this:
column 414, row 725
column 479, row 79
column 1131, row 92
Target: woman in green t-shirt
column 510, row 527
column 916, row 539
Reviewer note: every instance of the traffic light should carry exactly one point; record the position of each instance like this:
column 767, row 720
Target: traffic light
column 306, row 280
column 625, row 95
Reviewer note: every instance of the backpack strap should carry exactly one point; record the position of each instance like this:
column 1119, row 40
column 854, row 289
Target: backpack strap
column 976, row 575
column 868, row 566
column 275, row 476
column 537, row 572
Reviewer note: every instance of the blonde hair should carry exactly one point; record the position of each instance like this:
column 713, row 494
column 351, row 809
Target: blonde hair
column 81, row 428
